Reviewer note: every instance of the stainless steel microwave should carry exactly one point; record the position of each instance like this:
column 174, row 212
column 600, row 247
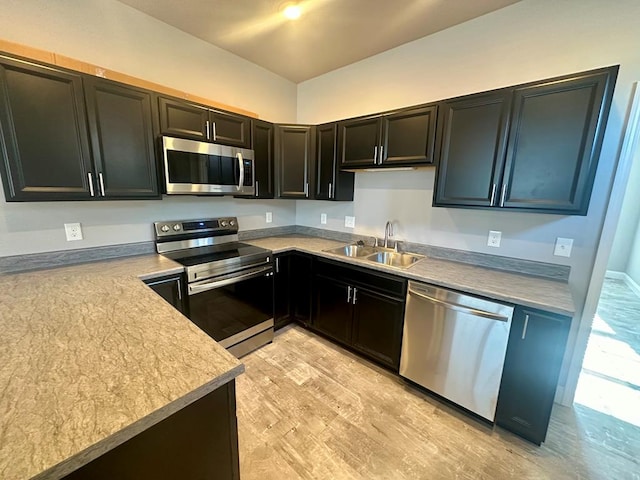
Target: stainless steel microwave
column 200, row 168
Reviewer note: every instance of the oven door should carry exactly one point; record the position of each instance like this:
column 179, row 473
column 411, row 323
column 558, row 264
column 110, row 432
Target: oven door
column 236, row 309
column 192, row 167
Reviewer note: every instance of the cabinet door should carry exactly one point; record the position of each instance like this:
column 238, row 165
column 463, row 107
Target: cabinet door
column 295, row 146
column 554, row 144
column 331, row 183
column 409, row 136
column 532, row 365
column 263, row 158
column 332, row 308
column 44, row 133
column 377, row 326
column 282, row 290
column 360, row 142
column 182, row 119
column 171, row 288
column 230, row 129
column 301, row 273
column 122, row 138
column 472, row 142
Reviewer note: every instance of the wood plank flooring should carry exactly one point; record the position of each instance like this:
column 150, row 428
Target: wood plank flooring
column 307, row 409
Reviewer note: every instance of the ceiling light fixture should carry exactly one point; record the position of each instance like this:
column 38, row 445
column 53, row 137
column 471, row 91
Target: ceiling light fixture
column 292, row 11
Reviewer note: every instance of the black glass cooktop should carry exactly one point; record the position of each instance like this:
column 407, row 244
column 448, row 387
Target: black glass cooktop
column 215, row 253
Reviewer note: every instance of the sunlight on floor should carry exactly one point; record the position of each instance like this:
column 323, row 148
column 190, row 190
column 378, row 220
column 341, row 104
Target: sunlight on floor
column 610, row 378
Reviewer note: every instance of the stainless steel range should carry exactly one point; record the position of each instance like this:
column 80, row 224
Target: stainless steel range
column 229, row 283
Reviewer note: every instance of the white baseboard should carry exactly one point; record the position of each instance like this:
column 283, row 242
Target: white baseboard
column 625, row 278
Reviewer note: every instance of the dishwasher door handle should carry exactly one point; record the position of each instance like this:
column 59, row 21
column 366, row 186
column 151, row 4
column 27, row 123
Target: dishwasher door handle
column 460, row 308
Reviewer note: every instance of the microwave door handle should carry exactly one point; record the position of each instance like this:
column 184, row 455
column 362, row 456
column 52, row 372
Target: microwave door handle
column 203, row 287
column 241, row 165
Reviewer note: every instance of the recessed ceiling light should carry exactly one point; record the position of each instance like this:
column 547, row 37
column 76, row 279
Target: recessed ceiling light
column 292, row 11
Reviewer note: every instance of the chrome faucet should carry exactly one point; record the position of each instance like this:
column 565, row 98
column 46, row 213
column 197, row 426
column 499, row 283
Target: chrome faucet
column 388, row 232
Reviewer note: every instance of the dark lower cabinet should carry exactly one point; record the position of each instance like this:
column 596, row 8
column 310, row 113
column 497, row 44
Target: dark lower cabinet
column 123, row 129
column 172, row 288
column 282, row 290
column 46, row 154
column 537, row 342
column 360, row 309
column 292, row 288
column 200, row 441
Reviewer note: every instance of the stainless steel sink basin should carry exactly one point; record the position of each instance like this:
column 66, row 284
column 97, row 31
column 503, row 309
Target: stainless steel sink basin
column 353, row 250
column 395, row 259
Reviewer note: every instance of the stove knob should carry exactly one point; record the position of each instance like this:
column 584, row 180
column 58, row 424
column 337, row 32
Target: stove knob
column 223, row 223
column 232, row 222
column 176, row 227
column 164, row 228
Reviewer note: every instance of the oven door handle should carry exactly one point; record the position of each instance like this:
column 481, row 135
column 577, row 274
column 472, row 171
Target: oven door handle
column 241, row 166
column 203, row 287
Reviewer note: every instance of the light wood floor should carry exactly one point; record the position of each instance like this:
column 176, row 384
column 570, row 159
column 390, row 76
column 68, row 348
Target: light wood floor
column 308, row 409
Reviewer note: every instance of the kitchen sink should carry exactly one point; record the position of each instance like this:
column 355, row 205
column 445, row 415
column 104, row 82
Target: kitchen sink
column 353, row 250
column 395, row 259
column 380, row 255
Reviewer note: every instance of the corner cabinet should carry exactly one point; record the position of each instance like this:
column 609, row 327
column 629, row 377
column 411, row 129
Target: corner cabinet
column 402, row 138
column 360, row 309
column 529, row 148
column 537, row 342
column 172, row 288
column 183, row 119
column 294, row 160
column 46, row 153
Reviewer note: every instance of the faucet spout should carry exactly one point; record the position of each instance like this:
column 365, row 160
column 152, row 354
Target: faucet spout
column 388, row 232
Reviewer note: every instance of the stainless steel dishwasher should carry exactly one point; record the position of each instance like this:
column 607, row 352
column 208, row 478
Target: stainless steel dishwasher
column 454, row 345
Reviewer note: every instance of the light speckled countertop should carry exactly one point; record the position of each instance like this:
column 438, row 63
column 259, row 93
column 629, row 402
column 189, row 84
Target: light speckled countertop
column 90, row 358
column 524, row 290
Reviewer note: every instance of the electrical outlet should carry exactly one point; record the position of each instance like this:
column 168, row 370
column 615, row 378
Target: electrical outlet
column 349, row 222
column 494, row 238
column 269, row 217
column 73, row 231
column 323, row 218
column 563, row 247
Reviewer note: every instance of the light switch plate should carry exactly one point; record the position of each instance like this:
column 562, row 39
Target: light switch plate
column 563, row 247
column 494, row 238
column 323, row 218
column 269, row 217
column 73, row 231
column 349, row 222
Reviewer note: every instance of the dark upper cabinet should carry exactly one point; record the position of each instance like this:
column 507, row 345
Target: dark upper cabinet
column 294, row 160
column 540, row 155
column 172, row 289
column 46, row 153
column 331, row 183
column 263, row 146
column 121, row 121
column 532, row 365
column 471, row 148
column 183, row 119
column 402, row 138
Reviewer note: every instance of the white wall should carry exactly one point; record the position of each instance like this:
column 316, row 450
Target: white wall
column 530, row 40
column 112, row 35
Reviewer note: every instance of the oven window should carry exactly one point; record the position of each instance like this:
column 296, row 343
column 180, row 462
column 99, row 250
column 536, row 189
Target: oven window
column 228, row 310
column 199, row 168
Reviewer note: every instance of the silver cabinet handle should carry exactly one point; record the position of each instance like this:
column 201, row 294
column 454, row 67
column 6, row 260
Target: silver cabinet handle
column 504, row 192
column 179, row 289
column 257, row 189
column 375, row 155
column 101, row 178
column 381, row 150
column 460, row 308
column 330, row 190
column 355, row 292
column 493, row 194
column 241, row 165
column 349, row 294
column 306, row 189
column 91, row 191
column 277, row 264
column 214, row 132
column 206, row 126
column 526, row 324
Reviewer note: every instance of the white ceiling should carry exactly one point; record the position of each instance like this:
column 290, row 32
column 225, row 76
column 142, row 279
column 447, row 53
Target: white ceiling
column 329, row 35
